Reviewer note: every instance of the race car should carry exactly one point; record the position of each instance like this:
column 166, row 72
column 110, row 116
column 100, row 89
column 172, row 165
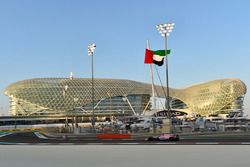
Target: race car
column 164, row 137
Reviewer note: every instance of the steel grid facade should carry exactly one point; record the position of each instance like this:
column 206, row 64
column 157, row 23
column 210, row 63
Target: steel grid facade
column 47, row 96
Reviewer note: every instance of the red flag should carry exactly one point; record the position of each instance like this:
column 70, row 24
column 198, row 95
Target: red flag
column 148, row 57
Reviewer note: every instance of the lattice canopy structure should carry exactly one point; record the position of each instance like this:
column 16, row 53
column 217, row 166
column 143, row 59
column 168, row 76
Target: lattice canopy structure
column 214, row 97
column 47, row 96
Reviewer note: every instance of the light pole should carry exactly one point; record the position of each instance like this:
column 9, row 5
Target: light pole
column 110, row 105
column 91, row 49
column 64, row 100
column 164, row 30
column 74, row 111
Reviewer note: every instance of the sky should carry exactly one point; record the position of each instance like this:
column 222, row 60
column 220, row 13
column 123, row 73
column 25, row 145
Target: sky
column 49, row 38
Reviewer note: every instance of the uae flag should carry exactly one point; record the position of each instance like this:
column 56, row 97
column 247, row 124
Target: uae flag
column 155, row 57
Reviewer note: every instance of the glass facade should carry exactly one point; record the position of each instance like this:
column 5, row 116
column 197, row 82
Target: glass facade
column 120, row 104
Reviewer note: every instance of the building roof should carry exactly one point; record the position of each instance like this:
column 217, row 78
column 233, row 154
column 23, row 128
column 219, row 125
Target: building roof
column 202, row 98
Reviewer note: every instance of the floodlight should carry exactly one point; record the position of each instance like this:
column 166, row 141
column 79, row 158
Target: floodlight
column 165, row 29
column 91, row 49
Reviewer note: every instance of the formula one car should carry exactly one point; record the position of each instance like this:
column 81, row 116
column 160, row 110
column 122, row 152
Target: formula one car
column 164, row 137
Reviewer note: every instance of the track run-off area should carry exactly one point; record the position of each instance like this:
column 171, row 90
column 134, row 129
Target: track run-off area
column 41, row 138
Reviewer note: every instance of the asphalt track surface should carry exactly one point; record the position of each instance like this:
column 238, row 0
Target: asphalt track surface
column 33, row 138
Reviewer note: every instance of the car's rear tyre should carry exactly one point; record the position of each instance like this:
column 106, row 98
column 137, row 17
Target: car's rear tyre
column 171, row 139
column 150, row 139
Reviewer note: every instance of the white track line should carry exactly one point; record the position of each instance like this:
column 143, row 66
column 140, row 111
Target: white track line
column 207, row 143
column 129, row 143
column 245, row 143
column 44, row 143
column 135, row 143
column 24, row 143
column 39, row 135
column 166, row 143
column 4, row 134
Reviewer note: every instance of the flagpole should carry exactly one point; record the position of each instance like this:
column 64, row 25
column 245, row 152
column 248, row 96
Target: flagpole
column 152, row 79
